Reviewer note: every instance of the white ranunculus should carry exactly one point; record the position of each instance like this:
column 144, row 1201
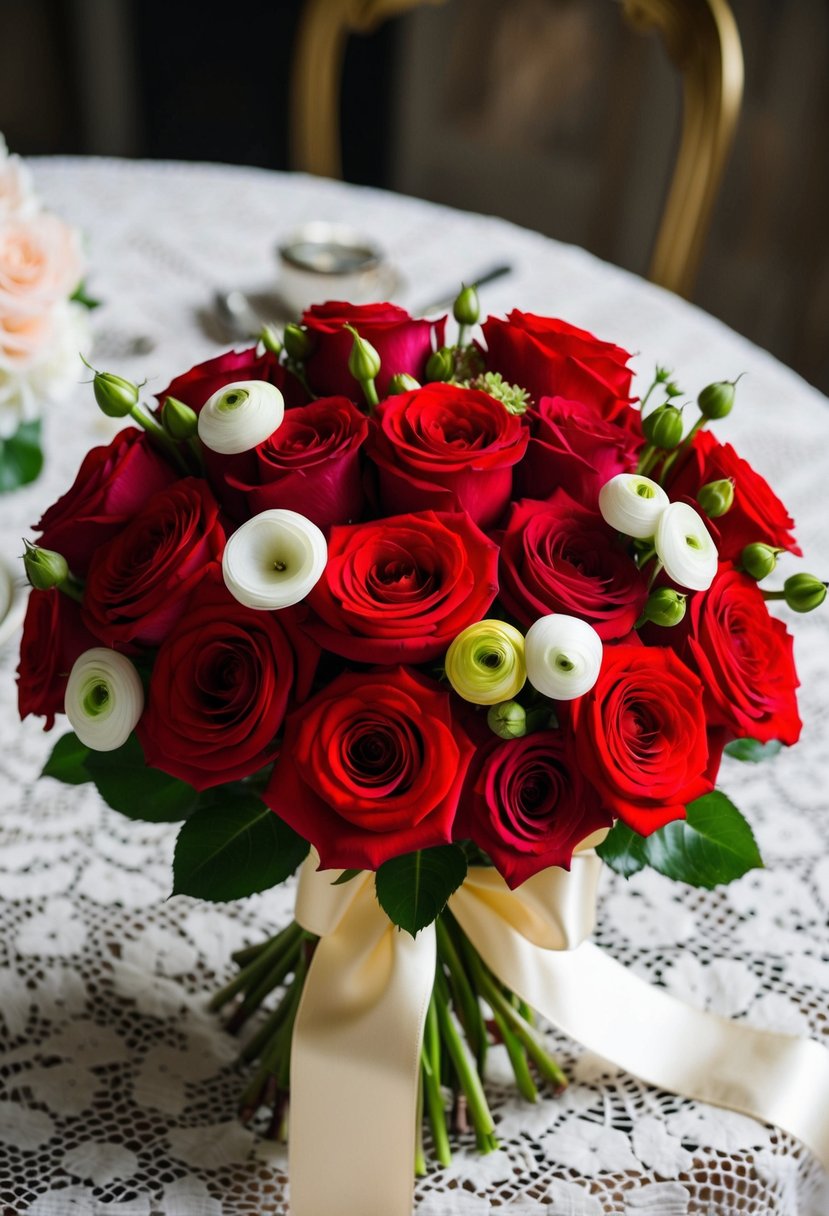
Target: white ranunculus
column 563, row 655
column 632, row 504
column 274, row 560
column 240, row 416
column 685, row 548
column 104, row 699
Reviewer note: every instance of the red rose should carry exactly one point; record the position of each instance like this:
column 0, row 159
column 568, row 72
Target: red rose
column 218, row 691
column 403, row 343
column 757, row 514
column 401, row 589
column 205, row 379
column 54, row 636
column 548, row 358
column 140, row 582
column 448, row 449
column 744, row 658
column 311, row 464
column 572, row 446
column 371, row 768
column 112, row 485
column 640, row 736
column 558, row 556
column 530, row 805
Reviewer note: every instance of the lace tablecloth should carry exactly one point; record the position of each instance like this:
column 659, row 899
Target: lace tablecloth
column 117, row 1088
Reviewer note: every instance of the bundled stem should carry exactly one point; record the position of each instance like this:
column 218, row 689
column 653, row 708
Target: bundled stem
column 456, row 1036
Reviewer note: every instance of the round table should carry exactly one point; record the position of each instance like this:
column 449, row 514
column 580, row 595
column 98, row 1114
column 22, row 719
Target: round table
column 117, row 1087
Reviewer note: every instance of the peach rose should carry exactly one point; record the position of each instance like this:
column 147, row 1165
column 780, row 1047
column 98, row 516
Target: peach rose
column 40, row 264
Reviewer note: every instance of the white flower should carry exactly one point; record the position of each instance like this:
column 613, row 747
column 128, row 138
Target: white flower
column 240, row 416
column 685, row 548
column 632, row 504
column 563, row 655
column 17, row 194
column 104, row 699
column 274, row 559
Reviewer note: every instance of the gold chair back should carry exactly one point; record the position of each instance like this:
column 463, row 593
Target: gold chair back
column 700, row 37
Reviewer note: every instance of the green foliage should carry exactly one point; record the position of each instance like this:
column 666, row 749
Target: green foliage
column 414, row 889
column 21, row 457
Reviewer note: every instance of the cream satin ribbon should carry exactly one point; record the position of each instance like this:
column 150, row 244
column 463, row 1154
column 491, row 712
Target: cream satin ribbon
column 356, row 1045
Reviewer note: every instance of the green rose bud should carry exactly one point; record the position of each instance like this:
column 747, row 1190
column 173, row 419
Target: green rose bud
column 466, row 310
column 441, row 365
column 663, row 427
column 665, row 607
column 759, row 560
column 803, row 592
column 269, row 337
column 116, row 396
column 364, row 361
column 402, row 382
column 297, row 342
column 672, row 389
column 716, row 400
column 716, row 497
column 44, row 567
column 180, row 422
column 508, row 720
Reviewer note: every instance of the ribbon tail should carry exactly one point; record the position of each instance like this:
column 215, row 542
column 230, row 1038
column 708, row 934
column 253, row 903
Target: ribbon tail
column 355, row 1064
column 776, row 1078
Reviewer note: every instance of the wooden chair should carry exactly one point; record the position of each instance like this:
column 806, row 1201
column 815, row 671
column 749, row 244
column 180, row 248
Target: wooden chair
column 700, row 37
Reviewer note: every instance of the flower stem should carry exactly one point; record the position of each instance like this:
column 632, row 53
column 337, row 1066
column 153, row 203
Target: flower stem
column 252, row 971
column 160, row 436
column 434, row 1103
column 466, row 1001
column 464, row 1064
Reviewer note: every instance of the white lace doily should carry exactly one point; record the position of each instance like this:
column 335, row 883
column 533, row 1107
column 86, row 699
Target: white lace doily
column 117, row 1088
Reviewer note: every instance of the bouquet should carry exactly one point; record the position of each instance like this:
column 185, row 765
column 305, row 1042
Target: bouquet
column 42, row 317
column 443, row 624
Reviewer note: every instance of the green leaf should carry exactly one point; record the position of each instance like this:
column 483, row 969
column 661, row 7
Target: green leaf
column 713, row 845
column 226, row 851
column 623, row 850
column 751, row 751
column 80, row 296
column 21, row 458
column 413, row 889
column 127, row 784
column 67, row 762
column 345, row 877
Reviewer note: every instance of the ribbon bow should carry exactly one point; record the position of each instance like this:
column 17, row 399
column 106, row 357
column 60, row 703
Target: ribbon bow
column 356, row 1049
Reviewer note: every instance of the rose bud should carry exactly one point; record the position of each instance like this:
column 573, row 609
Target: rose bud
column 274, row 560
column 685, row 548
column 563, row 656
column 116, row 397
column 632, row 504
column 441, row 365
column 240, row 416
column 759, row 560
column 269, row 337
column 803, row 592
column 363, row 361
column 104, row 699
column 402, row 382
column 717, row 497
column 485, row 663
column 44, row 567
column 508, row 720
column 663, row 427
column 466, row 310
column 297, row 342
column 665, row 607
column 672, row 389
column 716, row 400
column 180, row 422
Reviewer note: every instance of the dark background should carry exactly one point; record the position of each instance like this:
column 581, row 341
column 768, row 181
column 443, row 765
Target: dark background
column 545, row 111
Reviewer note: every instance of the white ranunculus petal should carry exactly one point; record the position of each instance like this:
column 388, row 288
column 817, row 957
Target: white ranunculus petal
column 563, row 655
column 632, row 504
column 685, row 547
column 240, row 416
column 104, row 699
column 274, row 560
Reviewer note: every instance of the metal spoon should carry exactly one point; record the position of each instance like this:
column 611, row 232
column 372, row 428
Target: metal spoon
column 237, row 315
